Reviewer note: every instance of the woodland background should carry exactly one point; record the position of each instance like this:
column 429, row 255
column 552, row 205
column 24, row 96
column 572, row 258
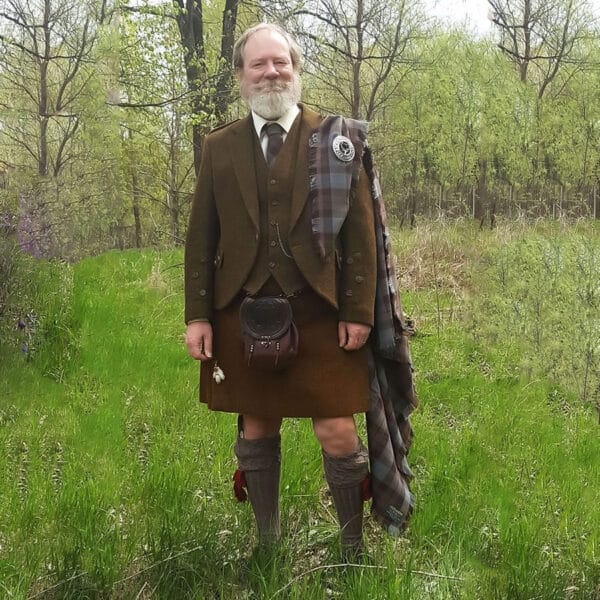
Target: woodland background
column 115, row 484
column 104, row 105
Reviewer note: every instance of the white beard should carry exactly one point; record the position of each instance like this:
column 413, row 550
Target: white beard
column 272, row 100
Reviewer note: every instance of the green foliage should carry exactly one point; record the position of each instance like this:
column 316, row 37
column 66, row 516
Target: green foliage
column 36, row 311
column 540, row 296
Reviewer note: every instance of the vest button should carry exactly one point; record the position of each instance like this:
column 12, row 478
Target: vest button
column 273, row 181
column 274, row 203
column 273, row 243
column 348, row 293
column 359, row 279
column 271, row 265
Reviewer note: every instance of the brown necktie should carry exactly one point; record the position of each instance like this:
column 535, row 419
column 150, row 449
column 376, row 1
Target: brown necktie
column 275, row 134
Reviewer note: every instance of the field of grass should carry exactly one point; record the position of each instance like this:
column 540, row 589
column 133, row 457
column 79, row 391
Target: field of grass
column 116, row 482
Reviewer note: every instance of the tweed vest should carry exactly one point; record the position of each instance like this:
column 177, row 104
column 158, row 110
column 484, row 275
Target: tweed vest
column 274, row 259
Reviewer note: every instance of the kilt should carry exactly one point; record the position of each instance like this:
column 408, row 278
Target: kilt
column 323, row 381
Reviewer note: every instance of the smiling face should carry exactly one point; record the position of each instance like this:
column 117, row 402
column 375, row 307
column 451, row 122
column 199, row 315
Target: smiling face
column 268, row 80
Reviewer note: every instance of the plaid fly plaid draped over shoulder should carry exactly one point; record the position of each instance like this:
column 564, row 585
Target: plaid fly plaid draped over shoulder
column 392, row 391
column 331, row 178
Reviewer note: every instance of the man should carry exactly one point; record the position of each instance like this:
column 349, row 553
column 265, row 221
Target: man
column 250, row 234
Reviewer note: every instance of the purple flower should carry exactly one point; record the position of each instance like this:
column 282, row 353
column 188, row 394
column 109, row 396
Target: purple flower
column 21, row 324
column 24, row 348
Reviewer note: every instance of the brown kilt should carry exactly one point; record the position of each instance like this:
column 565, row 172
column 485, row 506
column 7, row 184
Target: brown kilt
column 323, row 381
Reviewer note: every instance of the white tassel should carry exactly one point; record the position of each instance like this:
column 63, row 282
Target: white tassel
column 218, row 374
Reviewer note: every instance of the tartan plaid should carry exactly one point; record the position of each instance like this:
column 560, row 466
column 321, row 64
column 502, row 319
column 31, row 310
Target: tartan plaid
column 331, row 179
column 392, row 392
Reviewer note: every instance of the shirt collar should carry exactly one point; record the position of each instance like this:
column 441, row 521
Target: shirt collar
column 286, row 120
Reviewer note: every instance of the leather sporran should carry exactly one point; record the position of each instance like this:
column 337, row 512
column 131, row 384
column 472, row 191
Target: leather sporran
column 269, row 334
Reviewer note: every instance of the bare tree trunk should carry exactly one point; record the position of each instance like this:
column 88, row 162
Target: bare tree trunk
column 173, row 183
column 356, row 89
column 191, row 29
column 482, row 193
column 135, row 197
column 225, row 79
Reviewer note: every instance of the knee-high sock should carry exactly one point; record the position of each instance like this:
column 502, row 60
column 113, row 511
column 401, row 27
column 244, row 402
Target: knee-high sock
column 345, row 476
column 260, row 460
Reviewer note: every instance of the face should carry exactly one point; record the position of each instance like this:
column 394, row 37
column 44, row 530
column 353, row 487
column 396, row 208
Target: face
column 268, row 82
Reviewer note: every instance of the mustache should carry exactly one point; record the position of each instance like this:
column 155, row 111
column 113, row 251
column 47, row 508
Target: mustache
column 270, row 86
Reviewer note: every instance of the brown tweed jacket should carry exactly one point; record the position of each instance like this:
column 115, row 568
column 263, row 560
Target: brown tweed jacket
column 223, row 232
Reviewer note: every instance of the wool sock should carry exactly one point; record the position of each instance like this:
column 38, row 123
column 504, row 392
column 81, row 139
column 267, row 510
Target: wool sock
column 260, row 460
column 345, row 476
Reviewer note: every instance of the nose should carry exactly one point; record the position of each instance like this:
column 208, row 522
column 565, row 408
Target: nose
column 270, row 71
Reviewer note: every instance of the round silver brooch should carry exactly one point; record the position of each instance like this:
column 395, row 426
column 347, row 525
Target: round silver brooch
column 343, row 148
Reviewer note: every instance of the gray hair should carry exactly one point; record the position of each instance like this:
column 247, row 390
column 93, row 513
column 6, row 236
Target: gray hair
column 238, row 49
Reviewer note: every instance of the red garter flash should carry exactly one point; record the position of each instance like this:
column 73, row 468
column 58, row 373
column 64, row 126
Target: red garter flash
column 239, row 483
column 366, row 488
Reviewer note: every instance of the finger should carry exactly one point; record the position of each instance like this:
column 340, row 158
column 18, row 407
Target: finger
column 194, row 351
column 194, row 348
column 208, row 347
column 350, row 344
column 342, row 335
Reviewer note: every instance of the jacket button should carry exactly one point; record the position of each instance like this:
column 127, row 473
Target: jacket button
column 195, row 274
column 271, row 265
column 348, row 293
column 202, row 293
column 273, row 243
column 349, row 260
column 273, row 181
column 359, row 279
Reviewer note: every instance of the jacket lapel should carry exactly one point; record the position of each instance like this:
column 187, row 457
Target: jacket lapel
column 241, row 148
column 310, row 121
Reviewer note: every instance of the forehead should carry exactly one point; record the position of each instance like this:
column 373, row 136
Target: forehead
column 264, row 44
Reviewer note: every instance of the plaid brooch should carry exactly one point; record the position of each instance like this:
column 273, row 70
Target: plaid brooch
column 335, row 151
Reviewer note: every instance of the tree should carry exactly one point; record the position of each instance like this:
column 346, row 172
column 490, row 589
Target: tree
column 357, row 51
column 54, row 71
column 543, row 34
column 208, row 74
column 49, row 42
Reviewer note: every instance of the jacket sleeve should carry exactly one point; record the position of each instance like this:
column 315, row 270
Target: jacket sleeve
column 358, row 260
column 201, row 241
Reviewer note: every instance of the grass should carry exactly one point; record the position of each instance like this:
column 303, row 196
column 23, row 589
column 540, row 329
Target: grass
column 117, row 483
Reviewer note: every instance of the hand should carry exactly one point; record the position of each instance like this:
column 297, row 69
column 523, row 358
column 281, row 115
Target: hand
column 352, row 336
column 199, row 340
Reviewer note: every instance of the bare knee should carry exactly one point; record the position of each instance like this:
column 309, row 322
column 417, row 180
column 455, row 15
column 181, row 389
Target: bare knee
column 256, row 428
column 337, row 436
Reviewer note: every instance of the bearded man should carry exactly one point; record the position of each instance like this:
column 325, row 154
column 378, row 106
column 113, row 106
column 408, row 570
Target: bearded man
column 252, row 235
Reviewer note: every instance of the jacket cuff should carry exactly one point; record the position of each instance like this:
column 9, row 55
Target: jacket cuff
column 356, row 314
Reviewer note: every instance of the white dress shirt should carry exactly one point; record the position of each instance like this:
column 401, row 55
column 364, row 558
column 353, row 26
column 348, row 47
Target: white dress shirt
column 286, row 121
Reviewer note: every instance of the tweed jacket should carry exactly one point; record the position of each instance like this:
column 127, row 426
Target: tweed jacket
column 223, row 233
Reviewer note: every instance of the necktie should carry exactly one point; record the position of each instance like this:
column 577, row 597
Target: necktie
column 274, row 132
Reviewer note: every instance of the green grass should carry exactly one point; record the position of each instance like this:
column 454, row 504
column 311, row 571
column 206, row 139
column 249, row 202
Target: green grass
column 117, row 482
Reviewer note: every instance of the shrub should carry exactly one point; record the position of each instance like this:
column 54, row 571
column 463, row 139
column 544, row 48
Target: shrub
column 35, row 310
